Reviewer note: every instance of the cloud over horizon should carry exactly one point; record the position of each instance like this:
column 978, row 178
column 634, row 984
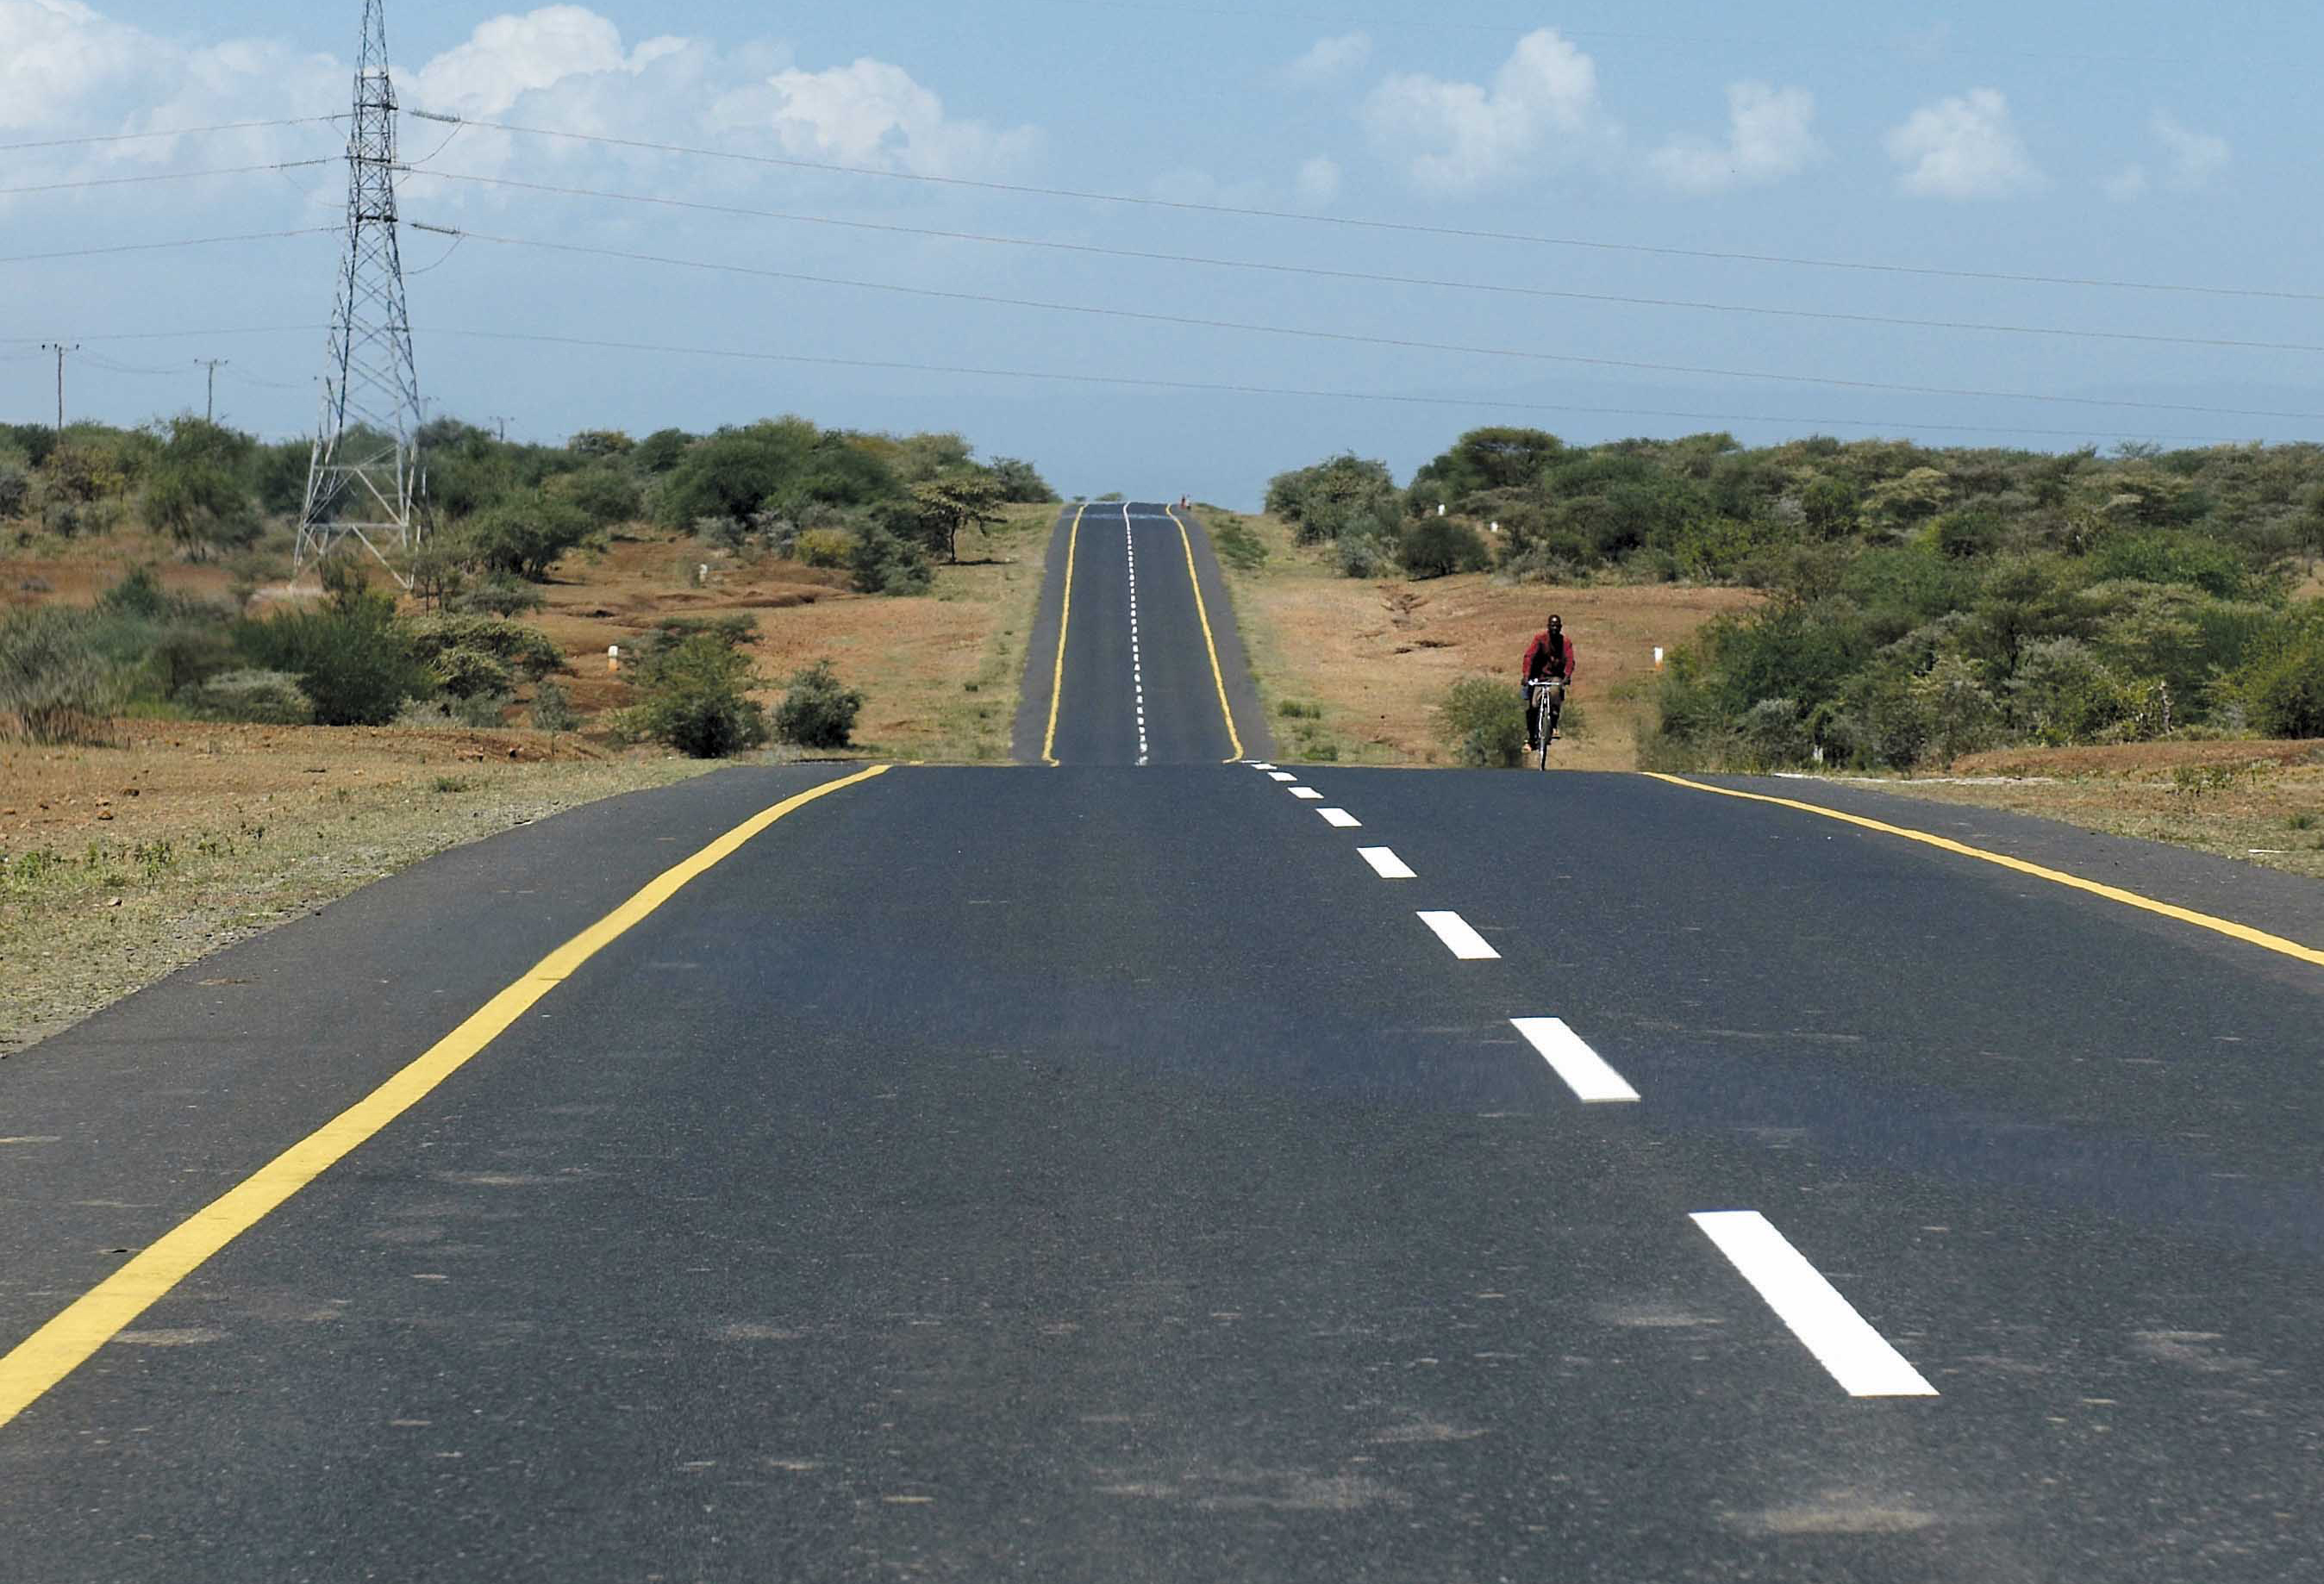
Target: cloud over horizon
column 1455, row 138
column 1962, row 148
column 1771, row 136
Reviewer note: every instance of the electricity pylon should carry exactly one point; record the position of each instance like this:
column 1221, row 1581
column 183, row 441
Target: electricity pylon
column 365, row 481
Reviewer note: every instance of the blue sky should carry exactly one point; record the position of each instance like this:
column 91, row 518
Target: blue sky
column 2132, row 140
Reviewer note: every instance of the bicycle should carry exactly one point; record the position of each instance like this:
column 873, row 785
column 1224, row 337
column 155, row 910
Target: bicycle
column 1548, row 706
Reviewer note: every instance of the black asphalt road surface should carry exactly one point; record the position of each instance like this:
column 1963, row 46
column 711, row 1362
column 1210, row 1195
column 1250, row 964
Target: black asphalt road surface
column 1141, row 686
column 1103, row 1172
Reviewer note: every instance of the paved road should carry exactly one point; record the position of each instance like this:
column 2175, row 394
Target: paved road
column 1151, row 666
column 1109, row 1172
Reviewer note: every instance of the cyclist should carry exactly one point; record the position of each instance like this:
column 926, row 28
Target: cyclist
column 1549, row 656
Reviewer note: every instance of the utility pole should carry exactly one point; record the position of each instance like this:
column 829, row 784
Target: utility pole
column 502, row 424
column 209, row 408
column 365, row 481
column 61, row 348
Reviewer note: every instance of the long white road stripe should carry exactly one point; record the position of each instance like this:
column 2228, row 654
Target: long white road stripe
column 1843, row 1342
column 1306, row 794
column 1281, row 776
column 1585, row 1072
column 1453, row 930
column 1386, row 863
column 1341, row 819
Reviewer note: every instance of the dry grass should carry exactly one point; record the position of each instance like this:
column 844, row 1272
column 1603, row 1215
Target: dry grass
column 1376, row 658
column 121, row 863
column 2260, row 802
column 940, row 673
column 127, row 862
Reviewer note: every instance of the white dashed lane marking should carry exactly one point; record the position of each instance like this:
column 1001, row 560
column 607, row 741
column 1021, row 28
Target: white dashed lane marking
column 1386, row 863
column 1257, row 766
column 1842, row 1340
column 1464, row 943
column 1341, row 819
column 1281, row 776
column 1137, row 664
column 1585, row 1072
column 1306, row 794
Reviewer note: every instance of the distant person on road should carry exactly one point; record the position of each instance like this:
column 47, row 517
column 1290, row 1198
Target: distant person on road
column 1550, row 655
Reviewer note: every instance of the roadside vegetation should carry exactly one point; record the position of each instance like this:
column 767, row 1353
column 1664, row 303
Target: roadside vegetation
column 876, row 514
column 194, row 747
column 1919, row 605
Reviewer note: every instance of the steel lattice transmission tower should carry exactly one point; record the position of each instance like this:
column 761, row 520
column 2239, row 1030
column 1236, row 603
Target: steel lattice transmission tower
column 365, row 481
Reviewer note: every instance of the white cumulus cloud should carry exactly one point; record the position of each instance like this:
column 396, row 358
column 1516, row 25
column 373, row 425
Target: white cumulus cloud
column 509, row 57
column 2128, row 183
column 1457, row 137
column 1318, row 183
column 1963, row 147
column 2194, row 157
column 54, row 52
column 68, row 69
column 872, row 113
column 1770, row 135
column 1330, row 59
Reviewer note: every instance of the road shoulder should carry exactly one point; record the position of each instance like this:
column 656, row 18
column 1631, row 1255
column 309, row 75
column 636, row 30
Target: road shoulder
column 2281, row 904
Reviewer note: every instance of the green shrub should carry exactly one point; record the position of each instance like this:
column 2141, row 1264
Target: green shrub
column 201, row 506
column 185, row 653
column 463, row 673
column 817, row 710
column 2063, row 693
column 1021, row 482
column 54, row 678
column 1483, row 721
column 526, row 535
column 552, row 709
column 696, row 701
column 497, row 594
column 823, row 547
column 353, row 660
column 2281, row 689
column 883, row 564
column 1366, row 555
column 15, row 489
column 1438, row 546
column 518, row 648
column 607, row 495
column 257, row 698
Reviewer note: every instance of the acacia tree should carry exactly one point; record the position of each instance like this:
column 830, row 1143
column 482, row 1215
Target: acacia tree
column 967, row 497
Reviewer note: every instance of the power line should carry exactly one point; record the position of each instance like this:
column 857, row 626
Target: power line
column 163, row 176
column 91, row 252
column 1090, row 249
column 184, row 334
column 1412, row 228
column 127, row 137
column 1140, row 382
column 97, row 360
column 1342, row 336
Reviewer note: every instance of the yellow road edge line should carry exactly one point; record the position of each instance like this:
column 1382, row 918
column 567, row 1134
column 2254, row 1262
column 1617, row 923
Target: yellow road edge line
column 30, row 1368
column 1064, row 620
column 1203, row 614
column 2226, row 926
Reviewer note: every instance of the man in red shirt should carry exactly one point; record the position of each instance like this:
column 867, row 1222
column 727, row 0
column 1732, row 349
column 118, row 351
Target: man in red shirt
column 1550, row 655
